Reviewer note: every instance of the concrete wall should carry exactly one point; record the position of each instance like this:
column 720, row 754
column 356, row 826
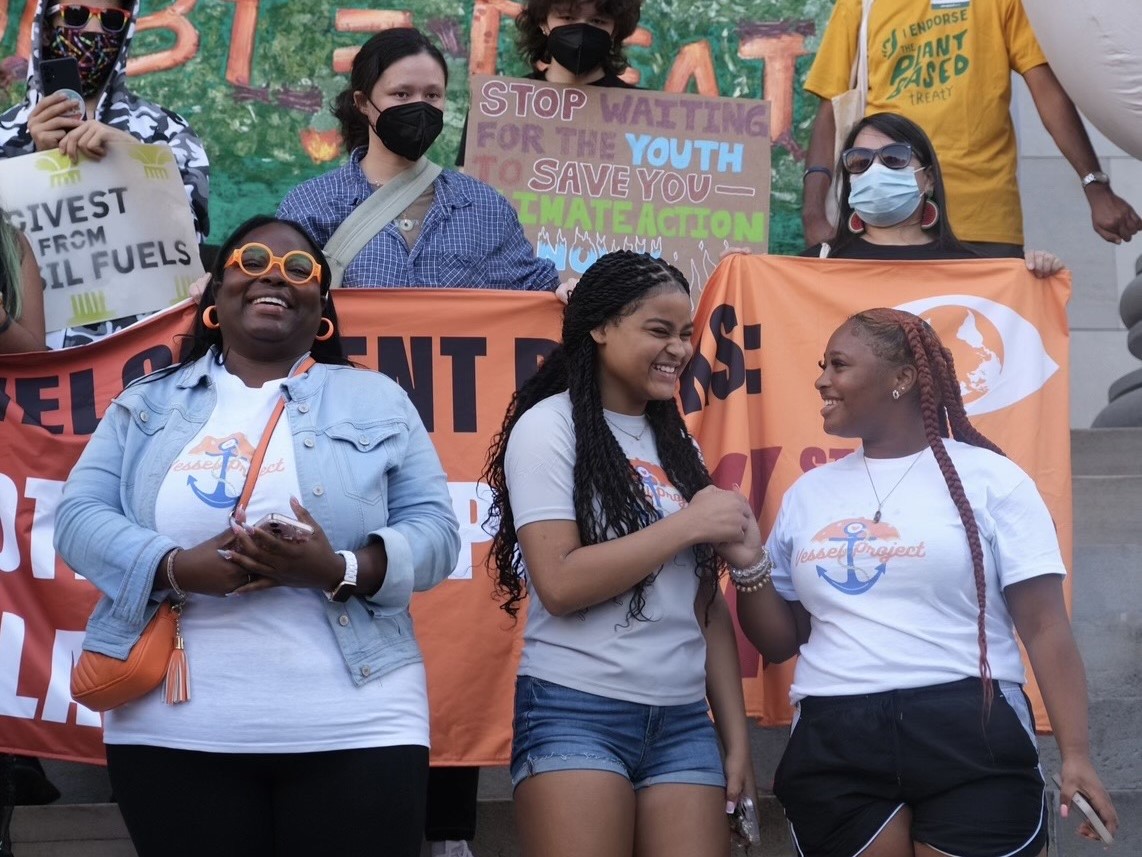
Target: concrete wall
column 1056, row 217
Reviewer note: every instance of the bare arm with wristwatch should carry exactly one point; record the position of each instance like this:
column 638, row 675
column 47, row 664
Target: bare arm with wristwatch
column 1113, row 217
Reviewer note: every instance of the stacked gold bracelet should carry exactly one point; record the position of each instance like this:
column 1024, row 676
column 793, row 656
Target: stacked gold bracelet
column 754, row 578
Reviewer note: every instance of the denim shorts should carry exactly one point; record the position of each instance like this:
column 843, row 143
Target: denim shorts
column 560, row 729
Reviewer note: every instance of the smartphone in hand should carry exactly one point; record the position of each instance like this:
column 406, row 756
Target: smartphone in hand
column 1079, row 802
column 284, row 527
column 62, row 75
column 744, row 821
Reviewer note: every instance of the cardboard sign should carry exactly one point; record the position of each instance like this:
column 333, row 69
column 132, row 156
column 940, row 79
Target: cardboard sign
column 593, row 169
column 113, row 237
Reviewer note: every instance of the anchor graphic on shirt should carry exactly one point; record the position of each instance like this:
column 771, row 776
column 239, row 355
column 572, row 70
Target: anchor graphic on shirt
column 852, row 584
column 218, row 498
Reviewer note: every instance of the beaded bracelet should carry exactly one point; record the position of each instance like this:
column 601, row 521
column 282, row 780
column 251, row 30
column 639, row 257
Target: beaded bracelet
column 756, row 586
column 179, row 594
column 754, row 577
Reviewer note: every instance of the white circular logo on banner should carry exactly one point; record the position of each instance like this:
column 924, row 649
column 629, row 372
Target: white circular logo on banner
column 1000, row 357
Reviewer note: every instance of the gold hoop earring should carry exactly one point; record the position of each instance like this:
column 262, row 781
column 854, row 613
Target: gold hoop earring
column 210, row 317
column 327, row 334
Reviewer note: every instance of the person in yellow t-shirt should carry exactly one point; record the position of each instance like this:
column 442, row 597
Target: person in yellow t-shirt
column 946, row 65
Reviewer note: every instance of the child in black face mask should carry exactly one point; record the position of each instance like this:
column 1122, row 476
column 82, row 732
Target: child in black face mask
column 577, row 41
column 574, row 41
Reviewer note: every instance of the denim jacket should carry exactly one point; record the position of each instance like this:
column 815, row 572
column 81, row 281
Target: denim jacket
column 366, row 467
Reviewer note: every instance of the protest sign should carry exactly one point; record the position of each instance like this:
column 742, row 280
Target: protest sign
column 112, row 237
column 592, row 169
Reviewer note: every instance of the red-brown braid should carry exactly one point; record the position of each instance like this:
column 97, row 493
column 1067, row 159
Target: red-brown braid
column 953, row 402
column 933, row 387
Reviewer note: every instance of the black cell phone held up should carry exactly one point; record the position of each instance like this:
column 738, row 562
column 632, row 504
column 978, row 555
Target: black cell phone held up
column 62, row 75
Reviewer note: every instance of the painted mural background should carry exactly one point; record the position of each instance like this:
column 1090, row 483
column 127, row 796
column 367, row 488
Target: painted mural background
column 255, row 77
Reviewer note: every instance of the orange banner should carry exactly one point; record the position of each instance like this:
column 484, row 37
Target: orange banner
column 748, row 395
column 761, row 327
column 460, row 355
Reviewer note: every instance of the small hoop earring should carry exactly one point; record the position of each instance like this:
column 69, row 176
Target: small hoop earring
column 327, row 334
column 855, row 224
column 210, row 317
column 930, row 215
column 896, row 394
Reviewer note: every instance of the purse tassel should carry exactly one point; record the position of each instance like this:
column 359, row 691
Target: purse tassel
column 176, row 687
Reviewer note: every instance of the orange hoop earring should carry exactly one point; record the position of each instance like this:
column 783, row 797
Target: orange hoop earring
column 327, row 334
column 210, row 317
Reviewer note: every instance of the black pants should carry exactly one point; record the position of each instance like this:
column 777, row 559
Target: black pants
column 452, row 804
column 352, row 803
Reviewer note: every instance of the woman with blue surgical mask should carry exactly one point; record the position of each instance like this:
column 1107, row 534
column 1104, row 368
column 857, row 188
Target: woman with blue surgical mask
column 891, row 200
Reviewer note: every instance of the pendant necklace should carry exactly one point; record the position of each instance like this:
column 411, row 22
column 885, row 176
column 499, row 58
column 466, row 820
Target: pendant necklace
column 880, row 503
column 630, row 434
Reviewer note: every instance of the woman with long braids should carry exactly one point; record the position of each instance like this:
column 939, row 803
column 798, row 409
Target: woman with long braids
column 901, row 574
column 608, row 519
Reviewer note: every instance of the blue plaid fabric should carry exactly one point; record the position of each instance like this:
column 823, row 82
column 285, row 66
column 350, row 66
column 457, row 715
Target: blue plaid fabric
column 471, row 237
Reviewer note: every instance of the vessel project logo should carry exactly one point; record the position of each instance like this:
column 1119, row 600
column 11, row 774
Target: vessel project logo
column 1000, row 356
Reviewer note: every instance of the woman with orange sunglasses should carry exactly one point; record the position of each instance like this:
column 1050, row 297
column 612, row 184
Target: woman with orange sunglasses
column 303, row 726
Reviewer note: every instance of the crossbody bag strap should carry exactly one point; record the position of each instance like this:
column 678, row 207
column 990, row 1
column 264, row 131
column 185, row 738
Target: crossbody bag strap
column 370, row 217
column 264, row 444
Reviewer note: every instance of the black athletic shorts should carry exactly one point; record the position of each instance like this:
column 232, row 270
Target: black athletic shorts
column 971, row 780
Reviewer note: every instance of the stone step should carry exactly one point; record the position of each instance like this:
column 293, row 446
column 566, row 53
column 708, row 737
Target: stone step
column 1106, row 452
column 1108, row 510
column 96, row 830
column 1106, row 614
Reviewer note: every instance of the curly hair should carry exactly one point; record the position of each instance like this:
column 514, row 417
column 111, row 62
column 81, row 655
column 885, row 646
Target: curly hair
column 902, row 338
column 383, row 50
column 532, row 41
column 609, row 499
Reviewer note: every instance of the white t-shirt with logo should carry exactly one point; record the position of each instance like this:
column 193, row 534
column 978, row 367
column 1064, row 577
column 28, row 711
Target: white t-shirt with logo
column 894, row 604
column 659, row 660
column 266, row 673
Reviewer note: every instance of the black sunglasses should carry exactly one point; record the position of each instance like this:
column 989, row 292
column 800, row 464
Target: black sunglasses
column 895, row 156
column 75, row 16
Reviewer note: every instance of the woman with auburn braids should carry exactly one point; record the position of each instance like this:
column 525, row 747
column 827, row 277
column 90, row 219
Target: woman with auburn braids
column 901, row 574
column 607, row 522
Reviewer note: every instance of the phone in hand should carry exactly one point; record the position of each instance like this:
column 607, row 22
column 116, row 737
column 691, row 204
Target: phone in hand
column 744, row 821
column 284, row 527
column 62, row 75
column 1079, row 802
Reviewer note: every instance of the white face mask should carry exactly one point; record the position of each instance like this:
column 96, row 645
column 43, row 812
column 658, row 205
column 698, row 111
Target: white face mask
column 884, row 197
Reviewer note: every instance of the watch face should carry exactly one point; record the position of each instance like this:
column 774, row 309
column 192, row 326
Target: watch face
column 343, row 592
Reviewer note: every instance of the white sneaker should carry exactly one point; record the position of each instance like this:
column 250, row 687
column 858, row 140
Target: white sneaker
column 450, row 848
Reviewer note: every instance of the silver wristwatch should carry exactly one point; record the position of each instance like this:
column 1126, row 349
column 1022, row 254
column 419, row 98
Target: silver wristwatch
column 1097, row 176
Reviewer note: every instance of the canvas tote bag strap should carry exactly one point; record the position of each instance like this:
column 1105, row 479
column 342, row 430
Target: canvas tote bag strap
column 858, row 77
column 370, row 217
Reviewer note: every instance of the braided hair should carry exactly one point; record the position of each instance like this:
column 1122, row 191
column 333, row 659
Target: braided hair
column 901, row 338
column 609, row 498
